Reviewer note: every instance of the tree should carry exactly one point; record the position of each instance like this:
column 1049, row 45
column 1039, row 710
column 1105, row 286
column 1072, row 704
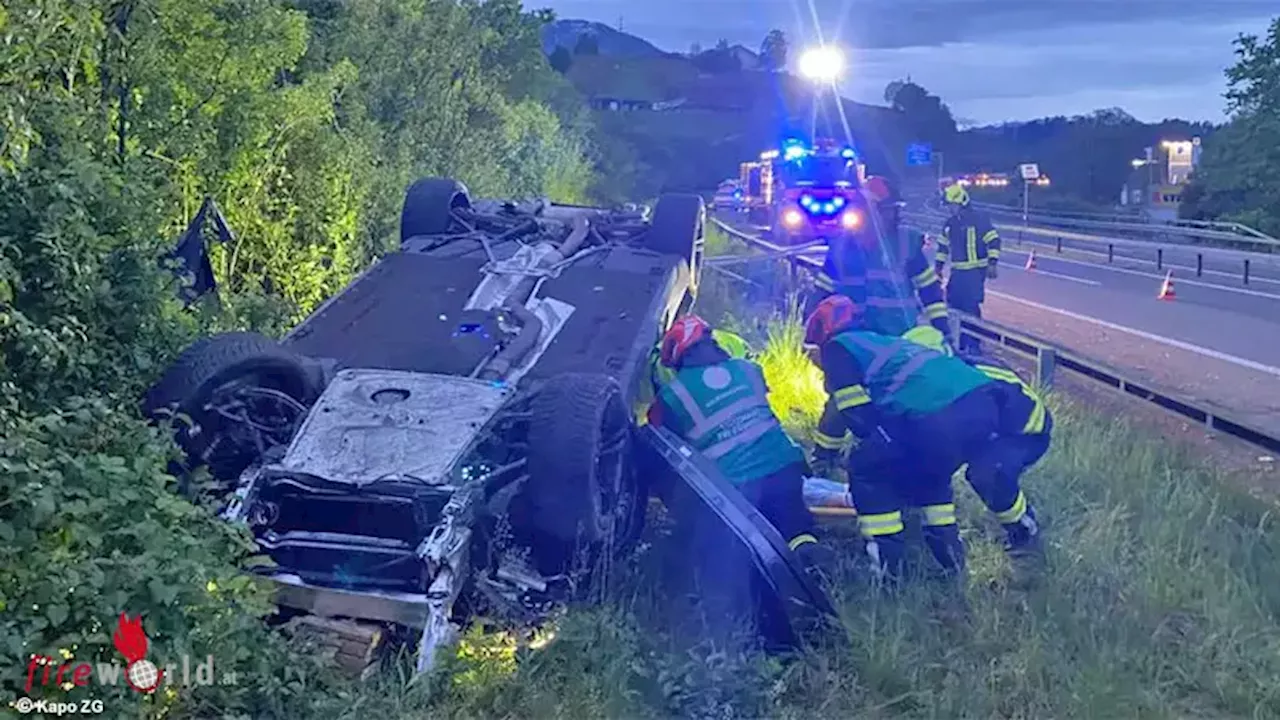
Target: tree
column 561, row 59
column 773, row 51
column 722, row 44
column 1237, row 178
column 588, row 44
column 929, row 118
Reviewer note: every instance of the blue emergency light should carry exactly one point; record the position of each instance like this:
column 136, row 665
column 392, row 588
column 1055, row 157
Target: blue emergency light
column 816, row 207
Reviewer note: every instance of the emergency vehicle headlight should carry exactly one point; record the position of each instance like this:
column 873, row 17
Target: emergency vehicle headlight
column 851, row 220
column 792, row 218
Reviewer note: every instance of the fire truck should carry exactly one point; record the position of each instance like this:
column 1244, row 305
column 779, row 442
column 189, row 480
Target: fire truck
column 805, row 192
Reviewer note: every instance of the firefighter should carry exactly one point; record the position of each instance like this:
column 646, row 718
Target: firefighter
column 883, row 268
column 1025, row 429
column 918, row 415
column 970, row 244
column 720, row 406
column 875, row 276
column 731, row 343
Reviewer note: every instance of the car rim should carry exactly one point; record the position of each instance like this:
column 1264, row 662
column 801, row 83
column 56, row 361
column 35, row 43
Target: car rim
column 246, row 418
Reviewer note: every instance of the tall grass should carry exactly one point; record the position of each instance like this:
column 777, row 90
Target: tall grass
column 1160, row 601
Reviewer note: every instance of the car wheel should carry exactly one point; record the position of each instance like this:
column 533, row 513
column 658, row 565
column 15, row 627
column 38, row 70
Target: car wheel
column 581, row 483
column 428, row 207
column 243, row 394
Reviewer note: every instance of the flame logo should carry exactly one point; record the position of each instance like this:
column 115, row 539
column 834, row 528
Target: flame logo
column 129, row 638
column 141, row 674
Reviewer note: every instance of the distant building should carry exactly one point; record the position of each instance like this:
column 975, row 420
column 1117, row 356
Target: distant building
column 1155, row 186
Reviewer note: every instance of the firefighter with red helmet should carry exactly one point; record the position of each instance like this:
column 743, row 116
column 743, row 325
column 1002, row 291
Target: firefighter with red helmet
column 719, row 405
column 918, row 415
column 885, row 272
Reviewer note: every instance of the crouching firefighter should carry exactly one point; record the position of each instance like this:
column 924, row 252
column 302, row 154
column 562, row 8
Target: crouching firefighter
column 918, row 415
column 720, row 406
column 731, row 343
column 1023, row 438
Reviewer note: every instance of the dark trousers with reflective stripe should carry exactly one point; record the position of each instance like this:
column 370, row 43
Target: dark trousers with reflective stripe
column 780, row 498
column 886, row 480
column 995, row 474
column 965, row 292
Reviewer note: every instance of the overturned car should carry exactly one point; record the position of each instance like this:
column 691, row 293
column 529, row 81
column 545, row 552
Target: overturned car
column 454, row 433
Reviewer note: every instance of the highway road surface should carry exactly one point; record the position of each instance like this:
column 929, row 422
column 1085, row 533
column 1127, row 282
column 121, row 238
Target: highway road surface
column 1217, row 342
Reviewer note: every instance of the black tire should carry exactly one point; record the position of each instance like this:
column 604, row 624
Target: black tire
column 580, row 488
column 212, row 363
column 428, row 206
column 678, row 226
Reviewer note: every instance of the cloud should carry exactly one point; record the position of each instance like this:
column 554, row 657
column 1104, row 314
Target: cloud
column 1072, row 70
column 990, row 60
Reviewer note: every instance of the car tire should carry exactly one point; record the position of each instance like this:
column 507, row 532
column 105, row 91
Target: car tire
column 428, row 206
column 210, row 365
column 678, row 226
column 581, row 483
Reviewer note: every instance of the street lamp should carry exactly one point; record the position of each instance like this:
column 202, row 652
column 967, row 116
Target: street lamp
column 821, row 65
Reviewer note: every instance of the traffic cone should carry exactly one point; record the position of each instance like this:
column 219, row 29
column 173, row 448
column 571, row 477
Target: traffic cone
column 1166, row 287
column 1031, row 261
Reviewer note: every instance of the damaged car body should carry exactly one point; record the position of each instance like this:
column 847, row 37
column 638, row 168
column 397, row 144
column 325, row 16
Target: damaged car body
column 452, row 435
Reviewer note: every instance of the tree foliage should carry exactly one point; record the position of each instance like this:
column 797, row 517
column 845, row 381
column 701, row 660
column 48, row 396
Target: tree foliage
column 928, row 117
column 305, row 120
column 773, row 51
column 1237, row 178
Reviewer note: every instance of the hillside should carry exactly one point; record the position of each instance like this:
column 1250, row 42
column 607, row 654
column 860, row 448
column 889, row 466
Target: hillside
column 722, row 116
column 566, row 33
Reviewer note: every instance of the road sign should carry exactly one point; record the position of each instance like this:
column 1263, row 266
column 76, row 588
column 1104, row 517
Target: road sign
column 1030, row 171
column 919, row 154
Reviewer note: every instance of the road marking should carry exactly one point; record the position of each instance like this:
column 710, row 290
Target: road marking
column 1175, row 266
column 1082, row 281
column 1207, row 352
column 1139, row 273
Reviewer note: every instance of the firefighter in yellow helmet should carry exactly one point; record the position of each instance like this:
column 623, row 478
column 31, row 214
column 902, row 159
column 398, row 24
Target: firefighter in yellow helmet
column 970, row 245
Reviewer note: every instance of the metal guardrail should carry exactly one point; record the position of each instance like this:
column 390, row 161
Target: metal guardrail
column 1049, row 358
column 1238, row 231
column 1248, row 261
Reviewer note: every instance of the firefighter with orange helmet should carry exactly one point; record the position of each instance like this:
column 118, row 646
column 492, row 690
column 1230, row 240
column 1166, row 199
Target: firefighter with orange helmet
column 918, row 414
column 720, row 406
column 885, row 272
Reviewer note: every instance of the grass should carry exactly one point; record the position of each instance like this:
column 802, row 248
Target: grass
column 1160, row 602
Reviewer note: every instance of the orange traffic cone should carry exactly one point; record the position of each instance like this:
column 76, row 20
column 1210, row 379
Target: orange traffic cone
column 1166, row 287
column 1031, row 261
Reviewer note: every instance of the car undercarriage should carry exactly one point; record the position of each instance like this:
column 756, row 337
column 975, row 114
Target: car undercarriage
column 452, row 435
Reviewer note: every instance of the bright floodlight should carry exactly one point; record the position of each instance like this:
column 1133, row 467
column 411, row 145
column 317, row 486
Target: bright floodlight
column 822, row 63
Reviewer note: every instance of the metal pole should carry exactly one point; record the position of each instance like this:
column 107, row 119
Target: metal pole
column 1026, row 202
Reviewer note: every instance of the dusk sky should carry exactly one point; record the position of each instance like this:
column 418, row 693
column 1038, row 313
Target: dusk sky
column 990, row 60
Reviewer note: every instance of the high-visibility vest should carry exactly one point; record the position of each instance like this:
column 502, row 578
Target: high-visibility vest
column 732, row 343
column 904, row 377
column 723, row 411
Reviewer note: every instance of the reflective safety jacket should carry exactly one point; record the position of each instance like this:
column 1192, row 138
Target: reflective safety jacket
column 1023, row 412
column 878, row 380
column 731, row 343
column 892, row 280
column 723, row 411
column 969, row 241
column 832, row 438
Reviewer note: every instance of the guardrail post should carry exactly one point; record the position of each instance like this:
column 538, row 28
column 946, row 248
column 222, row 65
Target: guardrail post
column 1199, row 264
column 1159, row 258
column 1111, row 252
column 1059, row 244
column 1246, row 271
column 1046, row 361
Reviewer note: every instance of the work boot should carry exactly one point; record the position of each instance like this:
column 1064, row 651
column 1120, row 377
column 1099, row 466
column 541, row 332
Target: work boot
column 1024, row 545
column 818, row 561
